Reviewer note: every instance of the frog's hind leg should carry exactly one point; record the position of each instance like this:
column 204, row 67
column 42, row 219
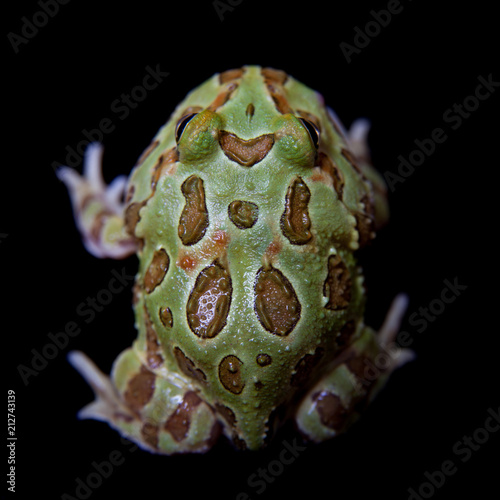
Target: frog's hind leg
column 98, row 209
column 161, row 413
column 360, row 370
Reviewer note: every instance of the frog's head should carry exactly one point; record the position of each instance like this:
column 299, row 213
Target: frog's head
column 247, row 114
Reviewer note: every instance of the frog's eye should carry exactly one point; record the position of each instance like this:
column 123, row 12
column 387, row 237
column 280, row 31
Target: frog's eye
column 312, row 130
column 181, row 125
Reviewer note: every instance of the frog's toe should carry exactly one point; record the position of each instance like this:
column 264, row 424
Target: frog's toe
column 107, row 403
column 386, row 336
column 357, row 137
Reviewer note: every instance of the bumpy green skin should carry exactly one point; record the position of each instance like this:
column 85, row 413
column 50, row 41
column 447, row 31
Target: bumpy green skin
column 263, row 394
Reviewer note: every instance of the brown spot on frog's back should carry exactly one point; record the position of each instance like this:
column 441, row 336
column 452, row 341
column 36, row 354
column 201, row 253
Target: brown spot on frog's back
column 250, row 110
column 194, row 217
column 274, row 75
column 179, row 422
column 132, row 216
column 140, row 389
column 246, row 152
column 243, row 214
column 337, row 286
column 208, row 304
column 230, row 75
column 157, row 270
column 330, row 409
column 274, row 80
column 223, row 96
column 149, row 433
column 166, row 318
column 230, row 374
column 327, row 165
column 153, row 348
column 295, row 221
column 276, row 303
column 264, row 359
column 164, row 165
column 188, row 367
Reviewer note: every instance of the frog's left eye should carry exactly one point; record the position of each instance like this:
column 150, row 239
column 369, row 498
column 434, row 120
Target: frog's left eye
column 312, row 130
column 181, row 125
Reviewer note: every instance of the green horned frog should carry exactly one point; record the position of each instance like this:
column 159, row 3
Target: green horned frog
column 246, row 212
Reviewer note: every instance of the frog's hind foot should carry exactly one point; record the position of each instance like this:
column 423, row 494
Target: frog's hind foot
column 161, row 414
column 359, row 372
column 107, row 404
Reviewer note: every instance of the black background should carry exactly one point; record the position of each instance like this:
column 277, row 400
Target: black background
column 64, row 79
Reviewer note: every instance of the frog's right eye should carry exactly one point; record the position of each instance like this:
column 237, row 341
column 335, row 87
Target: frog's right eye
column 181, row 125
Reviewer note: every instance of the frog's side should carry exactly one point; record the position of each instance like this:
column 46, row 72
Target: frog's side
column 245, row 211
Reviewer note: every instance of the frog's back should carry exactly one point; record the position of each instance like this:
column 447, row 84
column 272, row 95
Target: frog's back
column 247, row 207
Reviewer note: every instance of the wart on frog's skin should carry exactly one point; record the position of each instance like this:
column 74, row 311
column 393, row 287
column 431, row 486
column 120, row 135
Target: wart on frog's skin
column 246, row 212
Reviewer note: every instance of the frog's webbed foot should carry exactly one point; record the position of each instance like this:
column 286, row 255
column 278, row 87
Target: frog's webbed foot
column 107, row 404
column 160, row 411
column 359, row 372
column 98, row 209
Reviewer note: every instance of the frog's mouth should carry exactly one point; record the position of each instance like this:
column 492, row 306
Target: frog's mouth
column 245, row 152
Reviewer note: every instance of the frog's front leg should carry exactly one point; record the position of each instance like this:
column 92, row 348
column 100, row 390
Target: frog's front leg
column 160, row 411
column 98, row 209
column 359, row 371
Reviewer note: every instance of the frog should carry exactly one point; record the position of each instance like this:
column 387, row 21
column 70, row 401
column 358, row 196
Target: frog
column 247, row 212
